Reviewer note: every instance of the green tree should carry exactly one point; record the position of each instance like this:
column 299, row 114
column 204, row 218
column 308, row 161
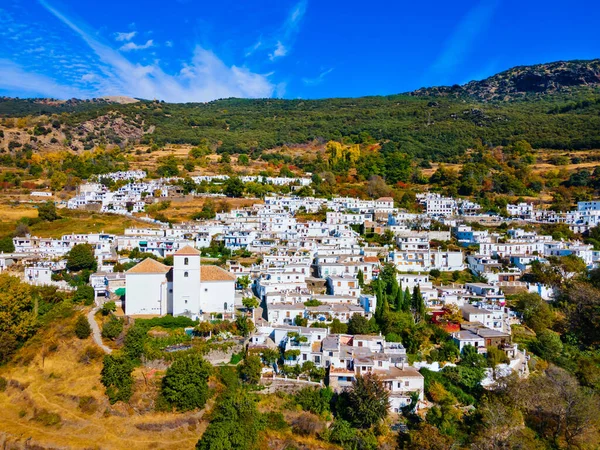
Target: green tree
column 47, row 212
column 315, row 400
column 168, row 167
column 7, row 245
column 116, row 378
column 250, row 303
column 337, row 327
column 234, row 425
column 135, row 340
column 234, row 187
column 358, row 324
column 84, row 294
column 17, row 313
column 269, row 356
column 250, row 369
column 185, row 385
column 548, row 345
column 537, row 314
column 112, row 328
column 367, row 401
column 244, row 281
column 82, row 327
column 81, row 257
column 418, row 305
column 108, row 307
column 243, row 160
column 360, row 276
column 244, row 325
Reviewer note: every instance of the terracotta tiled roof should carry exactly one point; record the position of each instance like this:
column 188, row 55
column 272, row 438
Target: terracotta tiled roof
column 188, row 250
column 373, row 259
column 149, row 265
column 215, row 273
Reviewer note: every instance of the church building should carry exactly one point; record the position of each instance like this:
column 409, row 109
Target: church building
column 186, row 289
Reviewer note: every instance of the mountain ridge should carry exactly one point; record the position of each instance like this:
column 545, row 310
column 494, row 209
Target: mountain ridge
column 515, row 83
column 520, row 81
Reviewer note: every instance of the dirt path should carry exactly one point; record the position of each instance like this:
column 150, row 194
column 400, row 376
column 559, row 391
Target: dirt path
column 96, row 331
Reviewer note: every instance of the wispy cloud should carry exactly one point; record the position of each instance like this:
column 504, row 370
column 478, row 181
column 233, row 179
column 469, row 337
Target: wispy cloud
column 120, row 37
column 12, row 76
column 280, row 42
column 169, row 44
column 318, row 79
column 133, row 46
column 461, row 41
column 106, row 71
column 280, row 50
column 253, row 49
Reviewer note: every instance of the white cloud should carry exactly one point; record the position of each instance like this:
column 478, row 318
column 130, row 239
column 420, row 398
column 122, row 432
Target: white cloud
column 279, row 43
column 204, row 77
column 125, row 36
column 280, row 50
column 318, row 79
column 133, row 46
column 255, row 47
column 169, row 44
column 14, row 77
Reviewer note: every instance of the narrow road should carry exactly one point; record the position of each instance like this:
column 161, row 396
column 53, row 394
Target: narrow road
column 96, row 331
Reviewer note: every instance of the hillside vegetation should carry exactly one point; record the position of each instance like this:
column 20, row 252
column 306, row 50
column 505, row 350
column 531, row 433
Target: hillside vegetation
column 554, row 106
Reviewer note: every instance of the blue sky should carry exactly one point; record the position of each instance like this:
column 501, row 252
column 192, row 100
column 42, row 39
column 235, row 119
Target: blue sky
column 194, row 50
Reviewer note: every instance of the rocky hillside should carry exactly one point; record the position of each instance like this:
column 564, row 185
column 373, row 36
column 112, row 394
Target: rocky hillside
column 523, row 81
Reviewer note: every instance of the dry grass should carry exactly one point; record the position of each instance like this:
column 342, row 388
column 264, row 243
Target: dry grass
column 12, row 213
column 62, row 386
column 85, row 222
column 181, row 209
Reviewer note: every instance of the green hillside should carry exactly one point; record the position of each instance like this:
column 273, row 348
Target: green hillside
column 559, row 109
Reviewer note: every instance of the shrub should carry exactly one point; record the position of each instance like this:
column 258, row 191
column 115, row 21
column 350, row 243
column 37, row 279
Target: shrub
column 46, row 417
column 91, row 353
column 3, row 384
column 88, row 404
column 82, row 328
column 134, row 341
column 84, row 294
column 116, row 378
column 250, row 369
column 185, row 385
column 112, row 328
column 108, row 307
column 81, row 257
column 275, row 421
column 314, row 400
column 47, row 212
column 307, row 424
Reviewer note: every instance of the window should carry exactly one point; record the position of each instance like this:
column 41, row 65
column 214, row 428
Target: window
column 304, row 356
column 205, row 289
column 185, row 274
column 186, row 261
column 380, row 363
column 225, row 306
column 406, row 383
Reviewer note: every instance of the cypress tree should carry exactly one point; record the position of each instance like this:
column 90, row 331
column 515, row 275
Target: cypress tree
column 407, row 300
